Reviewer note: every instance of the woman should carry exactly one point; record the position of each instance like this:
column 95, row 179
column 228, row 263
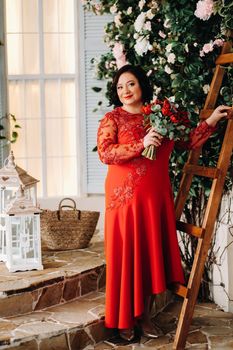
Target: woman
column 142, row 252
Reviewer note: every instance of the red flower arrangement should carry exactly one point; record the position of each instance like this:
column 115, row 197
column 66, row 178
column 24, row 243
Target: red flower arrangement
column 168, row 120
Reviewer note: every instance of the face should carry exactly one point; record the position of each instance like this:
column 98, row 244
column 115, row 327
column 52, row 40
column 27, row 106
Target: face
column 129, row 90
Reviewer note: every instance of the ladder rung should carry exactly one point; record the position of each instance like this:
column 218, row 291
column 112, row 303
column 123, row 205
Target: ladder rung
column 180, row 290
column 201, row 170
column 224, row 58
column 206, row 113
column 190, row 229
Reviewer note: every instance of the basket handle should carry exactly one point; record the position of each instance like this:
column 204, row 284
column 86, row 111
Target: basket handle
column 60, row 206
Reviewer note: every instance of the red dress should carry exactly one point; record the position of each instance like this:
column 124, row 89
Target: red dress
column 142, row 253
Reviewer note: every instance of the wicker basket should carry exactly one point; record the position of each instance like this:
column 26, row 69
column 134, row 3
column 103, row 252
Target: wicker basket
column 67, row 229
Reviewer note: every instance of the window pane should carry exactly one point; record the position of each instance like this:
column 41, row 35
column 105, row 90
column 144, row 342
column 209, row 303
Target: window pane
column 32, row 96
column 67, row 55
column 52, row 99
column 13, row 16
column 69, row 176
column 68, row 137
column 54, row 176
column 66, row 16
column 34, row 168
column 50, row 16
column 33, row 138
column 28, row 143
column 15, row 49
column 16, row 99
column 53, row 137
column 31, row 53
column 30, row 16
column 68, row 98
column 51, row 53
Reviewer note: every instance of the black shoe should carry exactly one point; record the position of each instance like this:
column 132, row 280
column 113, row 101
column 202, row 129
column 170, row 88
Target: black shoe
column 127, row 334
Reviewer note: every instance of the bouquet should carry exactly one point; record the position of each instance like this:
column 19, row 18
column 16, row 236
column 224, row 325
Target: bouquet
column 168, row 120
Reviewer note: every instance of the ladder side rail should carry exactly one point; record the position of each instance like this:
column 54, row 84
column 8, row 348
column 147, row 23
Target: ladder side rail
column 185, row 184
column 204, row 243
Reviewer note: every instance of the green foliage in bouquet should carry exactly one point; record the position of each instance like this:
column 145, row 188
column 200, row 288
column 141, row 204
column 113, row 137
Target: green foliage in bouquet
column 176, row 42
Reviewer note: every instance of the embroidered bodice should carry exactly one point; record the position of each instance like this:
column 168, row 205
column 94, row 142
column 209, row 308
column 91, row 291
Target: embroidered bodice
column 120, row 136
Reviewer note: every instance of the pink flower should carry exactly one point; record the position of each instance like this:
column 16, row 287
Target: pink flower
column 204, row 9
column 118, row 53
column 210, row 46
column 218, row 42
column 162, row 34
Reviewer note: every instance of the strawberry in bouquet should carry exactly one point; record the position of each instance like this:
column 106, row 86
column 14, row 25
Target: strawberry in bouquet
column 168, row 120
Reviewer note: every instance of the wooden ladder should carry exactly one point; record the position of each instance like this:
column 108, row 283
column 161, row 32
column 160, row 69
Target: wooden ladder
column 203, row 233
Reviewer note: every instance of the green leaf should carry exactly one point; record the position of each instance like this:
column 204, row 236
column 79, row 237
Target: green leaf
column 96, row 89
column 14, row 134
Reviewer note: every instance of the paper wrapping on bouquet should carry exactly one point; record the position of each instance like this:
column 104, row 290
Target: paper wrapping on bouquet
column 67, row 229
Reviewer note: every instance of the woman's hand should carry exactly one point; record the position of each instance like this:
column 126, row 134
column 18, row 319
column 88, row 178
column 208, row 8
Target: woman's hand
column 152, row 138
column 219, row 113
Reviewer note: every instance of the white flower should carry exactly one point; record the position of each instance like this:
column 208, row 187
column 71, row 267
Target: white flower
column 149, row 72
column 167, row 23
column 98, row 7
column 168, row 48
column 195, row 44
column 129, row 11
column 167, row 69
column 147, row 25
column 141, row 4
column 113, row 8
column 142, row 46
column 206, row 88
column 140, row 20
column 150, row 14
column 162, row 60
column 172, row 99
column 136, row 36
column 157, row 89
column 162, row 34
column 186, row 47
column 117, row 20
column 171, row 58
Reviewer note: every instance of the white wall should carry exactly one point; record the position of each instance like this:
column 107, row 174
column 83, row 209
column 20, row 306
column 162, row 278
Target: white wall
column 222, row 288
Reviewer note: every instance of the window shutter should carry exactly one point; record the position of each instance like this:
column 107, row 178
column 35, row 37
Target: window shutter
column 4, row 148
column 93, row 47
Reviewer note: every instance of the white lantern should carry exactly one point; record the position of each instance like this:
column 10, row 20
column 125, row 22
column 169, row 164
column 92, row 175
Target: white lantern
column 23, row 245
column 11, row 178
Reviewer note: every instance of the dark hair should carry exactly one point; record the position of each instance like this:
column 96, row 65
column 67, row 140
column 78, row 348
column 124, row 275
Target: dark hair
column 139, row 73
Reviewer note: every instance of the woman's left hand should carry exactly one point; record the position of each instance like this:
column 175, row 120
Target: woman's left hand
column 219, row 113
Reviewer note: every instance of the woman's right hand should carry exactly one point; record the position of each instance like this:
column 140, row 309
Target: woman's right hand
column 152, row 138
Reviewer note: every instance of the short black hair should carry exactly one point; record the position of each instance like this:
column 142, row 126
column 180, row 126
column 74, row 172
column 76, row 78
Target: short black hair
column 140, row 74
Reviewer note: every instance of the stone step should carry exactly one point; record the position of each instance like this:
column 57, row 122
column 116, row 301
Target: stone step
column 67, row 275
column 71, row 326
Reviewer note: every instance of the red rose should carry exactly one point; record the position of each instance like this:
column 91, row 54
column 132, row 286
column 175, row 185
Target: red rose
column 174, row 119
column 146, row 109
column 166, row 109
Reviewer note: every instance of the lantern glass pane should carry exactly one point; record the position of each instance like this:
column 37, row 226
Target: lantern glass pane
column 25, row 239
column 8, row 196
column 2, row 238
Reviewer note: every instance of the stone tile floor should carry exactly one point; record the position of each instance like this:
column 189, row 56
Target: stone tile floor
column 211, row 328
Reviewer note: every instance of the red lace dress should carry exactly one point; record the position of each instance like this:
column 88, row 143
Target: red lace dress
column 141, row 244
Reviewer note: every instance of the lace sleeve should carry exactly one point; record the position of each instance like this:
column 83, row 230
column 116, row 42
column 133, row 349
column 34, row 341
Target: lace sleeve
column 197, row 137
column 111, row 152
